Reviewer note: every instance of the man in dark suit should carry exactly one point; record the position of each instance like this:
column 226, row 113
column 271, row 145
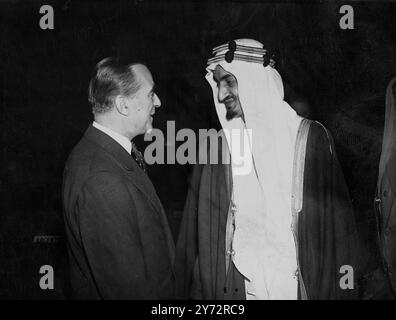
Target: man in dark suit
column 119, row 242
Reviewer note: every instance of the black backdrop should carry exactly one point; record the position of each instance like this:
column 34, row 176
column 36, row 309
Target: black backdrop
column 338, row 76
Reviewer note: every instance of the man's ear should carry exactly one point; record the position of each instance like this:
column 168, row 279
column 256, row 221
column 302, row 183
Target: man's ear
column 122, row 105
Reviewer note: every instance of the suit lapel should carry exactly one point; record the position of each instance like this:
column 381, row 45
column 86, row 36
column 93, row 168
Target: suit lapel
column 126, row 162
column 143, row 183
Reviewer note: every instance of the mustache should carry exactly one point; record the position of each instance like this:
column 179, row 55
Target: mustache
column 229, row 97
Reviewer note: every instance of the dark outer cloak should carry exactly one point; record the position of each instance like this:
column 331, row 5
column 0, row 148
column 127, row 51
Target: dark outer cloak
column 327, row 233
column 386, row 191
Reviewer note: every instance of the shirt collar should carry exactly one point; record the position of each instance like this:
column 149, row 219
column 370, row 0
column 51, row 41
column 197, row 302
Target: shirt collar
column 122, row 140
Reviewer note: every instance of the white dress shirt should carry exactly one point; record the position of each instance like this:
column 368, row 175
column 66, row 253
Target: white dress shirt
column 122, row 140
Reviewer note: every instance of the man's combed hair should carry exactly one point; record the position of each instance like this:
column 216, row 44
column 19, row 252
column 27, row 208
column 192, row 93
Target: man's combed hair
column 111, row 77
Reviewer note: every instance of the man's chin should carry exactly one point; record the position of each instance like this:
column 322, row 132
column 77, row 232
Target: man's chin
column 231, row 114
column 149, row 127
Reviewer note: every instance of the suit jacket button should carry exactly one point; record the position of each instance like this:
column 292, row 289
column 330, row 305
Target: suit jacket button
column 387, row 232
column 385, row 193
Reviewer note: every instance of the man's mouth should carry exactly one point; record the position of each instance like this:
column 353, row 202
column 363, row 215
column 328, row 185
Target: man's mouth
column 229, row 103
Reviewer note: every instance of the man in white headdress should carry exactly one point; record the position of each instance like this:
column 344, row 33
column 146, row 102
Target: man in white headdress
column 285, row 228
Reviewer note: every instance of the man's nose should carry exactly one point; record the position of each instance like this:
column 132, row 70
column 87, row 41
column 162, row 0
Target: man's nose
column 157, row 101
column 222, row 94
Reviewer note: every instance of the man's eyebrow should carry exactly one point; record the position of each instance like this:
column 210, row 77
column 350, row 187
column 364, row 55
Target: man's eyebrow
column 226, row 76
column 153, row 88
column 223, row 77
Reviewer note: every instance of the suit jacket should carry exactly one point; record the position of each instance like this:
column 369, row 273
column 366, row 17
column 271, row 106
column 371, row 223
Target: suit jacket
column 119, row 241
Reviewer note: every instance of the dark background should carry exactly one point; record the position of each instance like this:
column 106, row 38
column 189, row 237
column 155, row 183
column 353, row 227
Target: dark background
column 335, row 76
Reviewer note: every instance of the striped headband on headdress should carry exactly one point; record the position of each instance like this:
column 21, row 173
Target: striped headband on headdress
column 241, row 53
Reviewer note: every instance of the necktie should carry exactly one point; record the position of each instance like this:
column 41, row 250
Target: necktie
column 137, row 155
